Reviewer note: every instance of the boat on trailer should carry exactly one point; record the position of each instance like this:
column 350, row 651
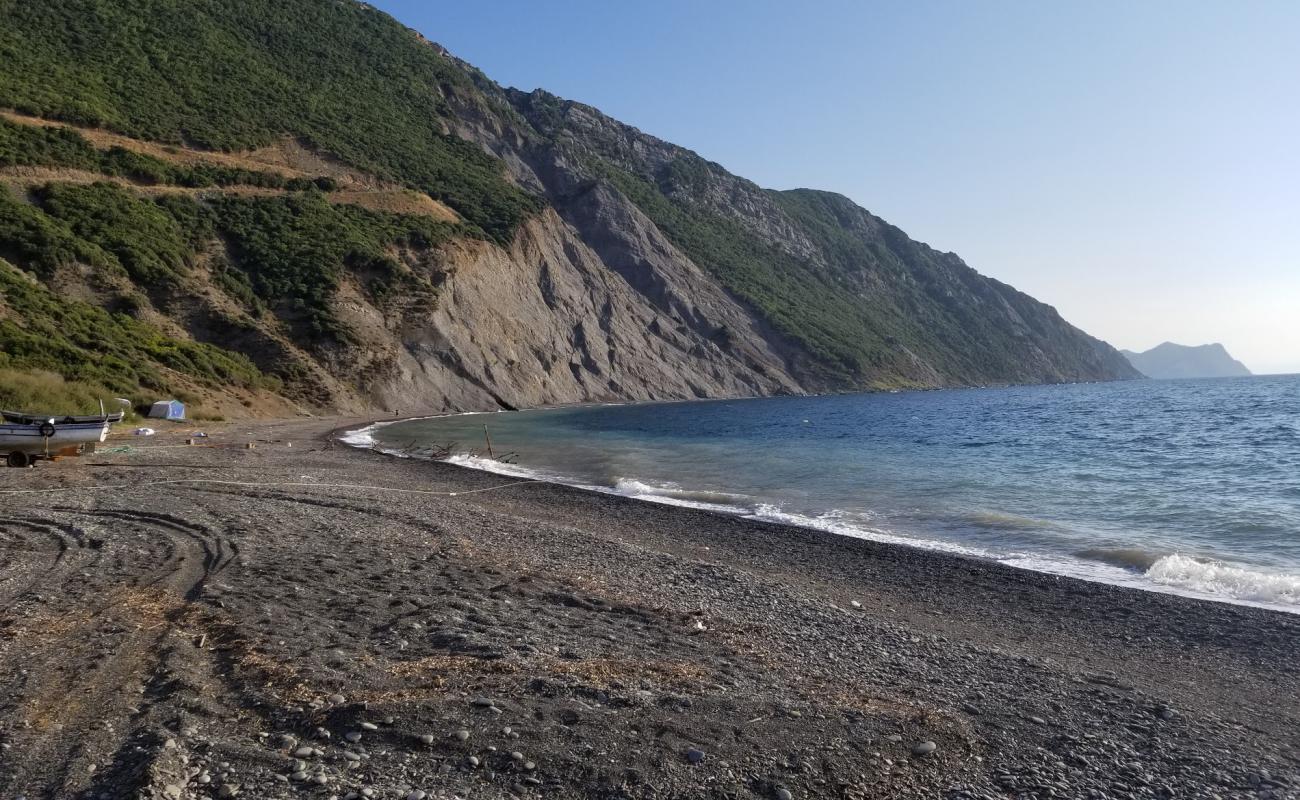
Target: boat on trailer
column 27, row 436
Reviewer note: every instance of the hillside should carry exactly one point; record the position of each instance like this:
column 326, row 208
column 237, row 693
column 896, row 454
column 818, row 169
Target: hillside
column 264, row 206
column 1169, row 360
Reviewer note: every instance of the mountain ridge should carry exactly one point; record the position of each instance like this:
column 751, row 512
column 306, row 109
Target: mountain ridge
column 583, row 260
column 1170, row 360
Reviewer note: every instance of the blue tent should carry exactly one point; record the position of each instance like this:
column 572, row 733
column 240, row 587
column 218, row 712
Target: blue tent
column 167, row 409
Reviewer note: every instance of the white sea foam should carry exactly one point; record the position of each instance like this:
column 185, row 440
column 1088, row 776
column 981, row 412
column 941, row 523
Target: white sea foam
column 1171, row 574
column 1225, row 581
column 842, row 523
column 499, row 467
column 673, row 494
column 362, row 437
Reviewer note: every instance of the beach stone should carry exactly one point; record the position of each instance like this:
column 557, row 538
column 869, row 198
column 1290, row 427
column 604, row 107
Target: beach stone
column 353, row 736
column 473, row 761
column 783, row 793
column 426, row 738
column 517, row 756
column 368, row 726
column 348, row 755
column 483, row 702
column 694, row 755
column 228, row 790
column 1038, row 720
column 416, row 794
column 337, row 699
column 855, row 604
column 304, row 752
column 924, row 749
column 462, row 735
column 298, row 776
column 893, row 737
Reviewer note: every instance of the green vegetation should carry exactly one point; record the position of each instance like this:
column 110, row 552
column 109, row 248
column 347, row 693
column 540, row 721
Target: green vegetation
column 38, row 390
column 295, row 249
column 39, row 242
column 801, row 303
column 86, row 344
column 238, row 74
column 139, row 234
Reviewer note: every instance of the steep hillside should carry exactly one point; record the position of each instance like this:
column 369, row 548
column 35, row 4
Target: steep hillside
column 308, row 203
column 1171, row 360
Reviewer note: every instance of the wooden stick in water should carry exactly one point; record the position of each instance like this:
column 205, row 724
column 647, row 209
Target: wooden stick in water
column 489, row 441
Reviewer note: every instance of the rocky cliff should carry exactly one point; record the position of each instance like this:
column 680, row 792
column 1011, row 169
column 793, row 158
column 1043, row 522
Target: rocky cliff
column 305, row 203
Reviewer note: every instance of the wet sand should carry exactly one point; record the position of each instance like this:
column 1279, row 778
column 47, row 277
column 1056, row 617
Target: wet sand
column 471, row 636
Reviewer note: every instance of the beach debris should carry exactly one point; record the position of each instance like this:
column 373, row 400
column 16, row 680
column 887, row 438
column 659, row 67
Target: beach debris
column 145, row 431
column 694, row 755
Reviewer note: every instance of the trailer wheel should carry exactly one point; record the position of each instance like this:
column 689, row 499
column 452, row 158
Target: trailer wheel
column 18, row 459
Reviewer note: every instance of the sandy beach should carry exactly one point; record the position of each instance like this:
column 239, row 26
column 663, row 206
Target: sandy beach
column 305, row 619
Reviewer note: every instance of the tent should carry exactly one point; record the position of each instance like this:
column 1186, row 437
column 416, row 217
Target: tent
column 167, row 409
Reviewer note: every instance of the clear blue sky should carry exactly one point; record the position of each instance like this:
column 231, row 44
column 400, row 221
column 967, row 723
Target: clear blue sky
column 1134, row 164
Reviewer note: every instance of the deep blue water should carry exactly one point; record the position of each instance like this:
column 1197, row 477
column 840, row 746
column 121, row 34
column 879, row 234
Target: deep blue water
column 1185, row 486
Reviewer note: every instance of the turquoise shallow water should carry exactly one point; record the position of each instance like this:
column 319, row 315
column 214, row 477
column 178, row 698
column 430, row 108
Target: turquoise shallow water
column 1183, row 486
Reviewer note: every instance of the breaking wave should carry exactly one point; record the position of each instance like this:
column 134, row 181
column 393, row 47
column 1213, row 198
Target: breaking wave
column 1225, row 581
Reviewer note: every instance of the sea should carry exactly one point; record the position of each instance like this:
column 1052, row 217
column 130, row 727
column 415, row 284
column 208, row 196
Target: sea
column 1183, row 486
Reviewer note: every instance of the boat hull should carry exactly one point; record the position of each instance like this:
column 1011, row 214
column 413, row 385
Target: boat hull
column 28, row 438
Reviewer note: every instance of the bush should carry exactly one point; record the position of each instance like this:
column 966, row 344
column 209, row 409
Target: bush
column 40, row 391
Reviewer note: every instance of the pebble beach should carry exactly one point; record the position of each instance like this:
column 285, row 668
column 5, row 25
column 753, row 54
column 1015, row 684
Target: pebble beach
column 274, row 614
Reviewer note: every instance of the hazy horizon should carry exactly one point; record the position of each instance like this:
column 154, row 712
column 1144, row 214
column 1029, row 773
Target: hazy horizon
column 1133, row 166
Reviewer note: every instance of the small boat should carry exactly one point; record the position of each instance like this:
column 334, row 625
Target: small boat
column 23, row 434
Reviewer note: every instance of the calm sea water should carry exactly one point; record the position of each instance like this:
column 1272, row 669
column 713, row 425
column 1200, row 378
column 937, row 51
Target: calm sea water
column 1184, row 486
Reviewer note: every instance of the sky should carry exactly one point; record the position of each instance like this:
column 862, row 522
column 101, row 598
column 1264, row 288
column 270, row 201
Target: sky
column 1135, row 165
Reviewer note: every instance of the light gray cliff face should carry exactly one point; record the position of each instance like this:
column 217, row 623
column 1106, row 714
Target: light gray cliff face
column 639, row 318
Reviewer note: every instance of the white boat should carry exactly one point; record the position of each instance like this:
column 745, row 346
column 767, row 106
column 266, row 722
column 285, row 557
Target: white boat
column 23, row 434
